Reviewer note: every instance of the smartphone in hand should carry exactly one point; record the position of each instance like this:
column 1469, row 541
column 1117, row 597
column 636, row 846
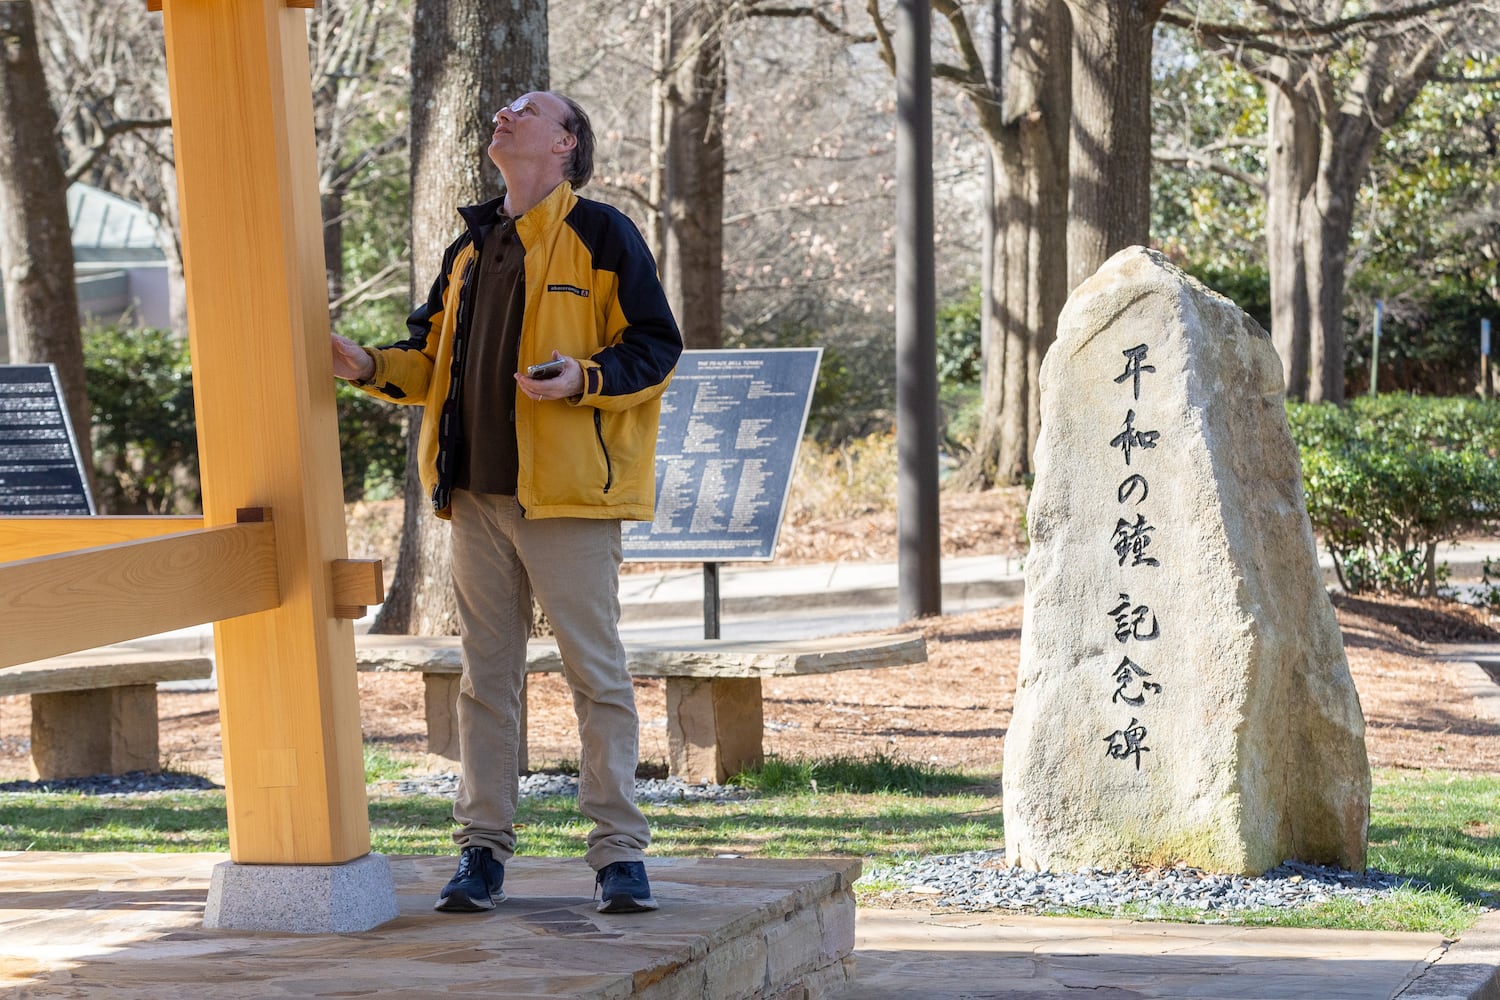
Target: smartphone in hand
column 546, row 370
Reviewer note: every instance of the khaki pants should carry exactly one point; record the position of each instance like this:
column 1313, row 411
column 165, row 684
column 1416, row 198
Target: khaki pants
column 573, row 565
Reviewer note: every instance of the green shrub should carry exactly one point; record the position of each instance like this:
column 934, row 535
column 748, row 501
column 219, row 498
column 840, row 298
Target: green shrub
column 372, row 445
column 855, row 393
column 961, row 408
column 959, row 353
column 145, row 433
column 1249, row 286
column 1429, row 338
column 372, row 434
column 1388, row 478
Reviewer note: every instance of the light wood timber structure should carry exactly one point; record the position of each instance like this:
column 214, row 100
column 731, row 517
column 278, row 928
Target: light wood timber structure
column 268, row 562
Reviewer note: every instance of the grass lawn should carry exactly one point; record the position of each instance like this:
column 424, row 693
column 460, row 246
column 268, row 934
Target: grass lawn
column 1435, row 827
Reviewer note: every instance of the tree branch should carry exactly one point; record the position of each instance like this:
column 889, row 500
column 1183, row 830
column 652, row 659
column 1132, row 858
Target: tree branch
column 106, row 135
column 362, row 291
column 1185, row 159
column 630, row 191
column 819, row 18
column 342, row 175
column 1228, row 39
column 958, row 25
column 882, row 35
column 1302, row 25
column 1463, row 81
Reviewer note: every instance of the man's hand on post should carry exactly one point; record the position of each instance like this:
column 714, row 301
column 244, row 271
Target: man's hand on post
column 350, row 361
column 568, row 383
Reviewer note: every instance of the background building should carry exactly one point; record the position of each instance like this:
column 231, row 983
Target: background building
column 120, row 271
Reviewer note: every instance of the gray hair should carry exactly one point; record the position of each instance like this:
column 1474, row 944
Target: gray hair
column 581, row 164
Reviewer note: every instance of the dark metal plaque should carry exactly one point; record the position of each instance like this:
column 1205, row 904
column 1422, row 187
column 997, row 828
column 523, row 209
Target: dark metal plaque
column 731, row 423
column 41, row 471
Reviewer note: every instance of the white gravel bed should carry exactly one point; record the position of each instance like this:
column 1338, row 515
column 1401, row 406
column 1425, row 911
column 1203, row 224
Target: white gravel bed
column 980, row 880
column 540, row 785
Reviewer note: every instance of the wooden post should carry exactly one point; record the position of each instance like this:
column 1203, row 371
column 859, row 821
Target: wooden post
column 267, row 432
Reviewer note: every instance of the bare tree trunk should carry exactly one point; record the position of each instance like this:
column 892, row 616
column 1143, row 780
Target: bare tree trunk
column 333, row 247
column 36, row 242
column 661, row 42
column 171, row 247
column 468, row 57
column 1109, row 165
column 1308, row 220
column 1292, row 153
column 1029, row 146
column 693, row 219
column 1325, row 254
column 1072, row 144
column 1323, row 128
column 1321, row 144
column 352, row 46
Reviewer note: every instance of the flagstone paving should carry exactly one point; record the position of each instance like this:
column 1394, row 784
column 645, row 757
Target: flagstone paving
column 130, row 926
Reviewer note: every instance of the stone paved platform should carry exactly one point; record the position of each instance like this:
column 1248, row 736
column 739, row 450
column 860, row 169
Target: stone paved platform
column 129, row 926
column 992, row 956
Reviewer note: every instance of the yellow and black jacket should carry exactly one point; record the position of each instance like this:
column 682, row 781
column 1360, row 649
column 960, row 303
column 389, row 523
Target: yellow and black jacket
column 591, row 293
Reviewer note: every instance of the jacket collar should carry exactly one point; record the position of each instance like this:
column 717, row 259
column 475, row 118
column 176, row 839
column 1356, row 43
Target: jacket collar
column 479, row 218
column 543, row 216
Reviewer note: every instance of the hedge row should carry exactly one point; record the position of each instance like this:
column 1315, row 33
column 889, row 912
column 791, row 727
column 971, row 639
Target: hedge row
column 1389, row 478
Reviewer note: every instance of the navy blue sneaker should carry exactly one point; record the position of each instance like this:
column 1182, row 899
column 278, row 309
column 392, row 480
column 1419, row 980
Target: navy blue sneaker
column 476, row 884
column 623, row 888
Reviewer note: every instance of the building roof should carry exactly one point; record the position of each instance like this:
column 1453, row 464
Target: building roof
column 109, row 228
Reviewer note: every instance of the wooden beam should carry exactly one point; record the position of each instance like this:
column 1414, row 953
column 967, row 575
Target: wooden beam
column 78, row 600
column 257, row 304
column 29, row 537
column 155, row 5
column 357, row 584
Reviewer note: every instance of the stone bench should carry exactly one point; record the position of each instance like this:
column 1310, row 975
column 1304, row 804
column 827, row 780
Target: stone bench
column 715, row 724
column 95, row 712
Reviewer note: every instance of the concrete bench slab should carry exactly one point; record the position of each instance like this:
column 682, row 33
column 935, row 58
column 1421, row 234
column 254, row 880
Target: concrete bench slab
column 96, row 713
column 715, row 719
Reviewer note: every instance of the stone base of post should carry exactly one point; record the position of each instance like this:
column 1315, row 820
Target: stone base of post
column 302, row 899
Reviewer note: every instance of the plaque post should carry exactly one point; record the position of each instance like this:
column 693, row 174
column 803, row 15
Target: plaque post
column 711, row 604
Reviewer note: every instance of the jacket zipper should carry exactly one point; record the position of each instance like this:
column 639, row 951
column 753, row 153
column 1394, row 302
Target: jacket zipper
column 442, row 491
column 609, row 469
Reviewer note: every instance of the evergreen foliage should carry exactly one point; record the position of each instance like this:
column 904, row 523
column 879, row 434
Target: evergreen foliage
column 1390, row 477
column 145, row 432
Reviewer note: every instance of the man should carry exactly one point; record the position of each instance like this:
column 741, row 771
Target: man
column 537, row 474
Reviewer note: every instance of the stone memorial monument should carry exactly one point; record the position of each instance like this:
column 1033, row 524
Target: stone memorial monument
column 1183, row 692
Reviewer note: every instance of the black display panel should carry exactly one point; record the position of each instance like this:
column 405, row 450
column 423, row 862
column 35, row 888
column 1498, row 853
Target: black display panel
column 40, row 468
column 731, row 423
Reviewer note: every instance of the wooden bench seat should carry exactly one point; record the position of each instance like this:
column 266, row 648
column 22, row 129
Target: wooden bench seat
column 95, row 712
column 715, row 722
